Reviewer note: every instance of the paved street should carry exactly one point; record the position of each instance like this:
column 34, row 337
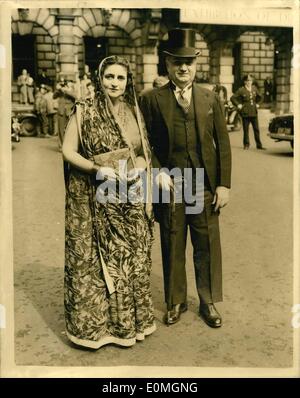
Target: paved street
column 257, row 245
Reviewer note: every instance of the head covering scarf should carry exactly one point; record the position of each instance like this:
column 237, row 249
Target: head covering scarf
column 110, row 133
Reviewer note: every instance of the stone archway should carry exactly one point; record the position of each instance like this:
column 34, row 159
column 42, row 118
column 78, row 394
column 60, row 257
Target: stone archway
column 272, row 56
column 40, row 24
column 121, row 25
column 221, row 41
column 24, row 20
column 115, row 40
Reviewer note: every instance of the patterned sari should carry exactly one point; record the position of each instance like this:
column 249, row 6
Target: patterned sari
column 107, row 245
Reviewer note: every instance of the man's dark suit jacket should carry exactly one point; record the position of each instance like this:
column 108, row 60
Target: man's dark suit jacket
column 211, row 127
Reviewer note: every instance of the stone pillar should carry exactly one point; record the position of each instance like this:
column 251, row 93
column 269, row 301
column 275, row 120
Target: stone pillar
column 139, row 69
column 214, row 51
column 226, row 77
column 283, row 80
column 291, row 109
column 150, row 62
column 148, row 59
column 67, row 59
column 221, row 63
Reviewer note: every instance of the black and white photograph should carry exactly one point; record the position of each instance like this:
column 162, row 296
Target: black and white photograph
column 149, row 189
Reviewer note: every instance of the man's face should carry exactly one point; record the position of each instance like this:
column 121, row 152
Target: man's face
column 249, row 82
column 181, row 70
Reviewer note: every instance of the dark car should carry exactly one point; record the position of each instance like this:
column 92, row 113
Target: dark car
column 28, row 124
column 281, row 128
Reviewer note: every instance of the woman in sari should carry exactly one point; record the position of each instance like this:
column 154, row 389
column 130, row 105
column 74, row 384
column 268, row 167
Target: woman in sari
column 108, row 243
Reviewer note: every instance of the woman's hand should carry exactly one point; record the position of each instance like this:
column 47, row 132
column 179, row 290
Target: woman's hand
column 140, row 166
column 105, row 173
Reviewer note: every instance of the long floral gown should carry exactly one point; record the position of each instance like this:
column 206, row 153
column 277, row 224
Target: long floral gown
column 123, row 234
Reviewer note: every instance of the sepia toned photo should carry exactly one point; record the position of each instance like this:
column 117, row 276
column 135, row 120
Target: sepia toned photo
column 100, row 284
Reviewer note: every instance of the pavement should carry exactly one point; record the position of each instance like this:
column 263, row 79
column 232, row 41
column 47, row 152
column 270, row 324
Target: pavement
column 257, row 244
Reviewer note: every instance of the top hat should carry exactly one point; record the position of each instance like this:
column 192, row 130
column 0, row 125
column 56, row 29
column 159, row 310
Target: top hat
column 181, row 43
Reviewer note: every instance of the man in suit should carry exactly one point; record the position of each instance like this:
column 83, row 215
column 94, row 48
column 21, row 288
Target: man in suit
column 187, row 130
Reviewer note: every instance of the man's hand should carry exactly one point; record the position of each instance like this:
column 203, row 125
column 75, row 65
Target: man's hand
column 164, row 181
column 221, row 197
column 240, row 106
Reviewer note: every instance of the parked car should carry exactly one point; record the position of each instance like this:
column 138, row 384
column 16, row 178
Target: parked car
column 281, row 128
column 24, row 125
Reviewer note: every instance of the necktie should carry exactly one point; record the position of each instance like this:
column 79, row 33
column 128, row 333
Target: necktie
column 183, row 102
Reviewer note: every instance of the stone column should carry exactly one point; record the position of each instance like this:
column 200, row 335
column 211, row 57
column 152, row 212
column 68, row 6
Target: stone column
column 67, row 59
column 150, row 62
column 221, row 63
column 214, row 51
column 226, row 77
column 148, row 58
column 283, row 80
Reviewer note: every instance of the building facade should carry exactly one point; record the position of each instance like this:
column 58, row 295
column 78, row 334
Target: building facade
column 67, row 41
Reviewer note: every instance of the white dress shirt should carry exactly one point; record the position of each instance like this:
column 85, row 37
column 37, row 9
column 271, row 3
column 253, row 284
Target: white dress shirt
column 186, row 92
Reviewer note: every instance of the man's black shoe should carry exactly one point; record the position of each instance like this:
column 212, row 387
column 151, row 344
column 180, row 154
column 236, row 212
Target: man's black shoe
column 210, row 315
column 173, row 315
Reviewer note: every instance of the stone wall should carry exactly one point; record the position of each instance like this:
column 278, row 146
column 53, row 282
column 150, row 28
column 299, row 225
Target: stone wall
column 257, row 57
column 44, row 47
column 123, row 33
column 203, row 59
column 45, row 52
column 118, row 44
column 136, row 34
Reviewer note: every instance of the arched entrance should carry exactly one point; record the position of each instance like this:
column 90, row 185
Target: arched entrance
column 95, row 49
column 24, row 55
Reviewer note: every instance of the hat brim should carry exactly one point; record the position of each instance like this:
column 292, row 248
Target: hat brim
column 182, row 52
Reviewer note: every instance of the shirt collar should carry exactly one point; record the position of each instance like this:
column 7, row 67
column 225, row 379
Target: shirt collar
column 177, row 89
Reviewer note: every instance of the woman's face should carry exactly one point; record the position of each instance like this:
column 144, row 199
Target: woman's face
column 114, row 81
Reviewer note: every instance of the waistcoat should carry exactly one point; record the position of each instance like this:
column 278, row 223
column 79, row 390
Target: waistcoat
column 186, row 146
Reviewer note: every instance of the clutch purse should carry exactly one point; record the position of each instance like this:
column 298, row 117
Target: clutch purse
column 111, row 159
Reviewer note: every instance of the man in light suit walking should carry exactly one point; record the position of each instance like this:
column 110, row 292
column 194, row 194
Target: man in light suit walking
column 187, row 130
